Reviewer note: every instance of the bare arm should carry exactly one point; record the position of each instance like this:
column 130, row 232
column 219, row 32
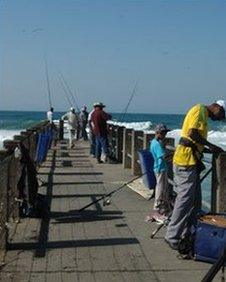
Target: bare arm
column 196, row 136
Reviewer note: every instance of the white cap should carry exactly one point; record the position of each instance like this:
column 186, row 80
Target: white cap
column 221, row 103
column 72, row 109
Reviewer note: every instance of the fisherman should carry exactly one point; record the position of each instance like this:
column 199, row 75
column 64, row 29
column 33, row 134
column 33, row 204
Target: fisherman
column 162, row 190
column 92, row 137
column 73, row 123
column 50, row 115
column 83, row 122
column 188, row 165
column 52, row 125
column 99, row 120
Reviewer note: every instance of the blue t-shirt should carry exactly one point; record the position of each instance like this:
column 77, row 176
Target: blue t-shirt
column 158, row 152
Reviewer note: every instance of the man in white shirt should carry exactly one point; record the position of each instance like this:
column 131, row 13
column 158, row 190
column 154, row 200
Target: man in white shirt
column 73, row 122
column 50, row 115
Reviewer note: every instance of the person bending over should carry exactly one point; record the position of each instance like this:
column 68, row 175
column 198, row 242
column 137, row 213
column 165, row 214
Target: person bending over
column 187, row 167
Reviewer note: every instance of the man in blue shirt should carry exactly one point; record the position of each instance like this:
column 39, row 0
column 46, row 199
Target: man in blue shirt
column 162, row 192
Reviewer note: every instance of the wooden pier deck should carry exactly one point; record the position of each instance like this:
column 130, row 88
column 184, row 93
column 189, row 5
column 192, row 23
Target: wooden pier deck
column 103, row 243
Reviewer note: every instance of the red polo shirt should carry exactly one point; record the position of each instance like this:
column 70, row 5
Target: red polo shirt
column 99, row 119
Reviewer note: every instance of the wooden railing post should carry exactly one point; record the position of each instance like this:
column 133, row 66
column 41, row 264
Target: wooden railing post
column 170, row 143
column 218, row 199
column 13, row 178
column 126, row 159
column 4, row 167
column 136, row 170
column 119, row 143
column 147, row 137
column 214, row 186
column 33, row 145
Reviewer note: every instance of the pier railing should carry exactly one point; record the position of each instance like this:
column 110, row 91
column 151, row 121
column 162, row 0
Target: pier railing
column 131, row 141
column 14, row 186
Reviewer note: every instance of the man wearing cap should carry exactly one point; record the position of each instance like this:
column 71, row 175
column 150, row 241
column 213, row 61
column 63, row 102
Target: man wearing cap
column 83, row 121
column 73, row 123
column 99, row 123
column 187, row 167
column 162, row 191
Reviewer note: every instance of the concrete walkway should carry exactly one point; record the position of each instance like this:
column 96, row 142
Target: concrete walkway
column 103, row 243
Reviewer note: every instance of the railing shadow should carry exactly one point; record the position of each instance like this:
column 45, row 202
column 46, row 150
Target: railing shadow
column 74, row 216
column 72, row 173
column 76, row 243
column 44, row 228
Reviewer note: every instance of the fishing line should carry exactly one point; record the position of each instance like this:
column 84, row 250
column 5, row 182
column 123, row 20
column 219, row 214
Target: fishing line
column 69, row 90
column 47, row 80
column 130, row 99
column 65, row 92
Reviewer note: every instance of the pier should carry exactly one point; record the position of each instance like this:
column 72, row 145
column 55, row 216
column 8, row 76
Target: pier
column 102, row 243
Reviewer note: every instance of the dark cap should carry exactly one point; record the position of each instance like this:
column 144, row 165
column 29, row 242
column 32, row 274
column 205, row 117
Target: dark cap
column 161, row 128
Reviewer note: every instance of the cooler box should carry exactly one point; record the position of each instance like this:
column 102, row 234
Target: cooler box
column 210, row 238
column 147, row 163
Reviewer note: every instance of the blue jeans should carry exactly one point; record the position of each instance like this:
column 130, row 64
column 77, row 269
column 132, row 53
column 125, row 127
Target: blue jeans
column 101, row 145
column 92, row 143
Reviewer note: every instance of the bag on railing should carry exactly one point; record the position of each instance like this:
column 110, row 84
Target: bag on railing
column 44, row 142
column 147, row 163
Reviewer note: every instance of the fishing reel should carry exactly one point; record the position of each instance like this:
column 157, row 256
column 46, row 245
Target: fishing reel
column 106, row 201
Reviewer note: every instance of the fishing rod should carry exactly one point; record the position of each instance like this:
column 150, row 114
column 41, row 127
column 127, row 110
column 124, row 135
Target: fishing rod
column 130, row 99
column 47, row 80
column 69, row 90
column 65, row 92
column 107, row 196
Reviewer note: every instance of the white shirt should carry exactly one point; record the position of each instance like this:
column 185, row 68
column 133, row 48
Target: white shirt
column 72, row 120
column 50, row 116
column 90, row 123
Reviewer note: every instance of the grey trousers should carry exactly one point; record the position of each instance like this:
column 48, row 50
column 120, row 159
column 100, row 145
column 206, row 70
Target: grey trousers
column 71, row 137
column 188, row 198
column 162, row 192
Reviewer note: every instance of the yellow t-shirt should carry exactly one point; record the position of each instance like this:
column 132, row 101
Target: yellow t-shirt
column 196, row 118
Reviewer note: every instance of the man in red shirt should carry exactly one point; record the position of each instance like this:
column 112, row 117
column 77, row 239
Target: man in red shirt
column 99, row 123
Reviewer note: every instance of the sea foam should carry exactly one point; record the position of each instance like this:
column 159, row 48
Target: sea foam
column 215, row 137
column 7, row 134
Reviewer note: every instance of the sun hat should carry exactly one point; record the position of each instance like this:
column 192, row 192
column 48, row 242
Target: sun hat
column 99, row 104
column 221, row 103
column 161, row 128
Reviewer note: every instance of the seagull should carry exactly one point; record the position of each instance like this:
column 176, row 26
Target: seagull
column 37, row 30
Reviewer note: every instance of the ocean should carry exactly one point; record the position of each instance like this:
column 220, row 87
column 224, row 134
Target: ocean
column 12, row 122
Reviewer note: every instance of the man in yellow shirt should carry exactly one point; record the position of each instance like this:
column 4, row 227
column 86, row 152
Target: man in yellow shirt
column 188, row 165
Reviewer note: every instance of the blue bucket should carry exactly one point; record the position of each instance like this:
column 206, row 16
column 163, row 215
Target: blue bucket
column 147, row 164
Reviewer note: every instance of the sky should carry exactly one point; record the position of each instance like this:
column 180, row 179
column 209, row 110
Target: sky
column 175, row 51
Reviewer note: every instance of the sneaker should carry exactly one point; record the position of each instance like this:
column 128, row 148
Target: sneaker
column 148, row 218
column 100, row 162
